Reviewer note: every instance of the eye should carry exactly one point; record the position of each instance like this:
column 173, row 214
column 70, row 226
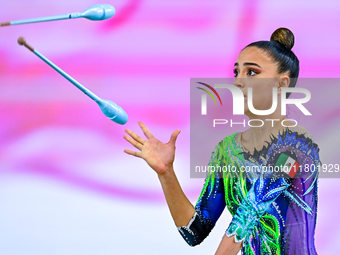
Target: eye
column 235, row 72
column 251, row 72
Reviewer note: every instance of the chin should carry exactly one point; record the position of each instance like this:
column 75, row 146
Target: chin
column 247, row 112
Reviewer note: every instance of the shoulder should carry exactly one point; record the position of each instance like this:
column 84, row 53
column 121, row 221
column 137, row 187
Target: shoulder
column 227, row 141
column 296, row 140
column 302, row 131
column 297, row 137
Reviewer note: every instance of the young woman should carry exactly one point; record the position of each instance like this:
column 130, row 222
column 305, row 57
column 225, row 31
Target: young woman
column 274, row 212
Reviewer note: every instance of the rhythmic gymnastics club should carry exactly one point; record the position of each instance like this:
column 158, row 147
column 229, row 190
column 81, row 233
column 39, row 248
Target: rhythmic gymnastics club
column 94, row 12
column 111, row 110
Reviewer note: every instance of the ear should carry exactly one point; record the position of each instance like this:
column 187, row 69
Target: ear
column 284, row 81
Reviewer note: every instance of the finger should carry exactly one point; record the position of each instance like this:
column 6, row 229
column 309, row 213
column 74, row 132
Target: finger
column 133, row 153
column 135, row 136
column 146, row 131
column 174, row 136
column 136, row 144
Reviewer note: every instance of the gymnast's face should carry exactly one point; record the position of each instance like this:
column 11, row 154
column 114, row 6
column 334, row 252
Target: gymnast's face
column 255, row 68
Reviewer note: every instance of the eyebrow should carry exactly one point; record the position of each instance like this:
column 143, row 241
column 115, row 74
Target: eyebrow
column 248, row 64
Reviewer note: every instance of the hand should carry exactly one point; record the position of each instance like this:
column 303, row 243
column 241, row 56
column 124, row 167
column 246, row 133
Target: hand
column 159, row 156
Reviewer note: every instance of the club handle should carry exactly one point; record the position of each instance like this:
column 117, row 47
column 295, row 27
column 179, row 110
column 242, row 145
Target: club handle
column 68, row 77
column 43, row 19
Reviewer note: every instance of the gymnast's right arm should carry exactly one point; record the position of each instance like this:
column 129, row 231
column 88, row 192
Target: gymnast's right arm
column 193, row 223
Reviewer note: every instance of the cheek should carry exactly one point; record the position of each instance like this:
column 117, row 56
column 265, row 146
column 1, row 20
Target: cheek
column 262, row 95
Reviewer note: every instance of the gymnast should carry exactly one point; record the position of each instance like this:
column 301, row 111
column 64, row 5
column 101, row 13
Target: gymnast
column 272, row 213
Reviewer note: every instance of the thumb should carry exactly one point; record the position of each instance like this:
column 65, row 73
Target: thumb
column 174, row 136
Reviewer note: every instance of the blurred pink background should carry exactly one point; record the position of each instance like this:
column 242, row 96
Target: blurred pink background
column 66, row 186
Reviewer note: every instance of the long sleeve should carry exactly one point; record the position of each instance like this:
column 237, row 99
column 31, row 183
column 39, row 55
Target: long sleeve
column 289, row 157
column 209, row 206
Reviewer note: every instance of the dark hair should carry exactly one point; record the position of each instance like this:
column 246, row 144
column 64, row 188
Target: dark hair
column 279, row 49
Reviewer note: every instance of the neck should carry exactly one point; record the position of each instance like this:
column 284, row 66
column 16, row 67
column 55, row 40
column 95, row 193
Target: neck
column 255, row 137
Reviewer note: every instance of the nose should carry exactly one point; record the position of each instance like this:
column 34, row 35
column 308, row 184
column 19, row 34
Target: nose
column 238, row 82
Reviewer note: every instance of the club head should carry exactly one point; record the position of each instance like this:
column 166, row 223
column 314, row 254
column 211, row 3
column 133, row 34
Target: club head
column 99, row 12
column 113, row 111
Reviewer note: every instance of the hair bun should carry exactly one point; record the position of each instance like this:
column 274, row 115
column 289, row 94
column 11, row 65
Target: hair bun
column 283, row 36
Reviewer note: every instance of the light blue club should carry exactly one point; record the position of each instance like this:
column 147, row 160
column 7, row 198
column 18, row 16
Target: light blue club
column 110, row 109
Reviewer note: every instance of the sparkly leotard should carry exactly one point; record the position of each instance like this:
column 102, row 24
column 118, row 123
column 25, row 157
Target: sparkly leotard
column 273, row 213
